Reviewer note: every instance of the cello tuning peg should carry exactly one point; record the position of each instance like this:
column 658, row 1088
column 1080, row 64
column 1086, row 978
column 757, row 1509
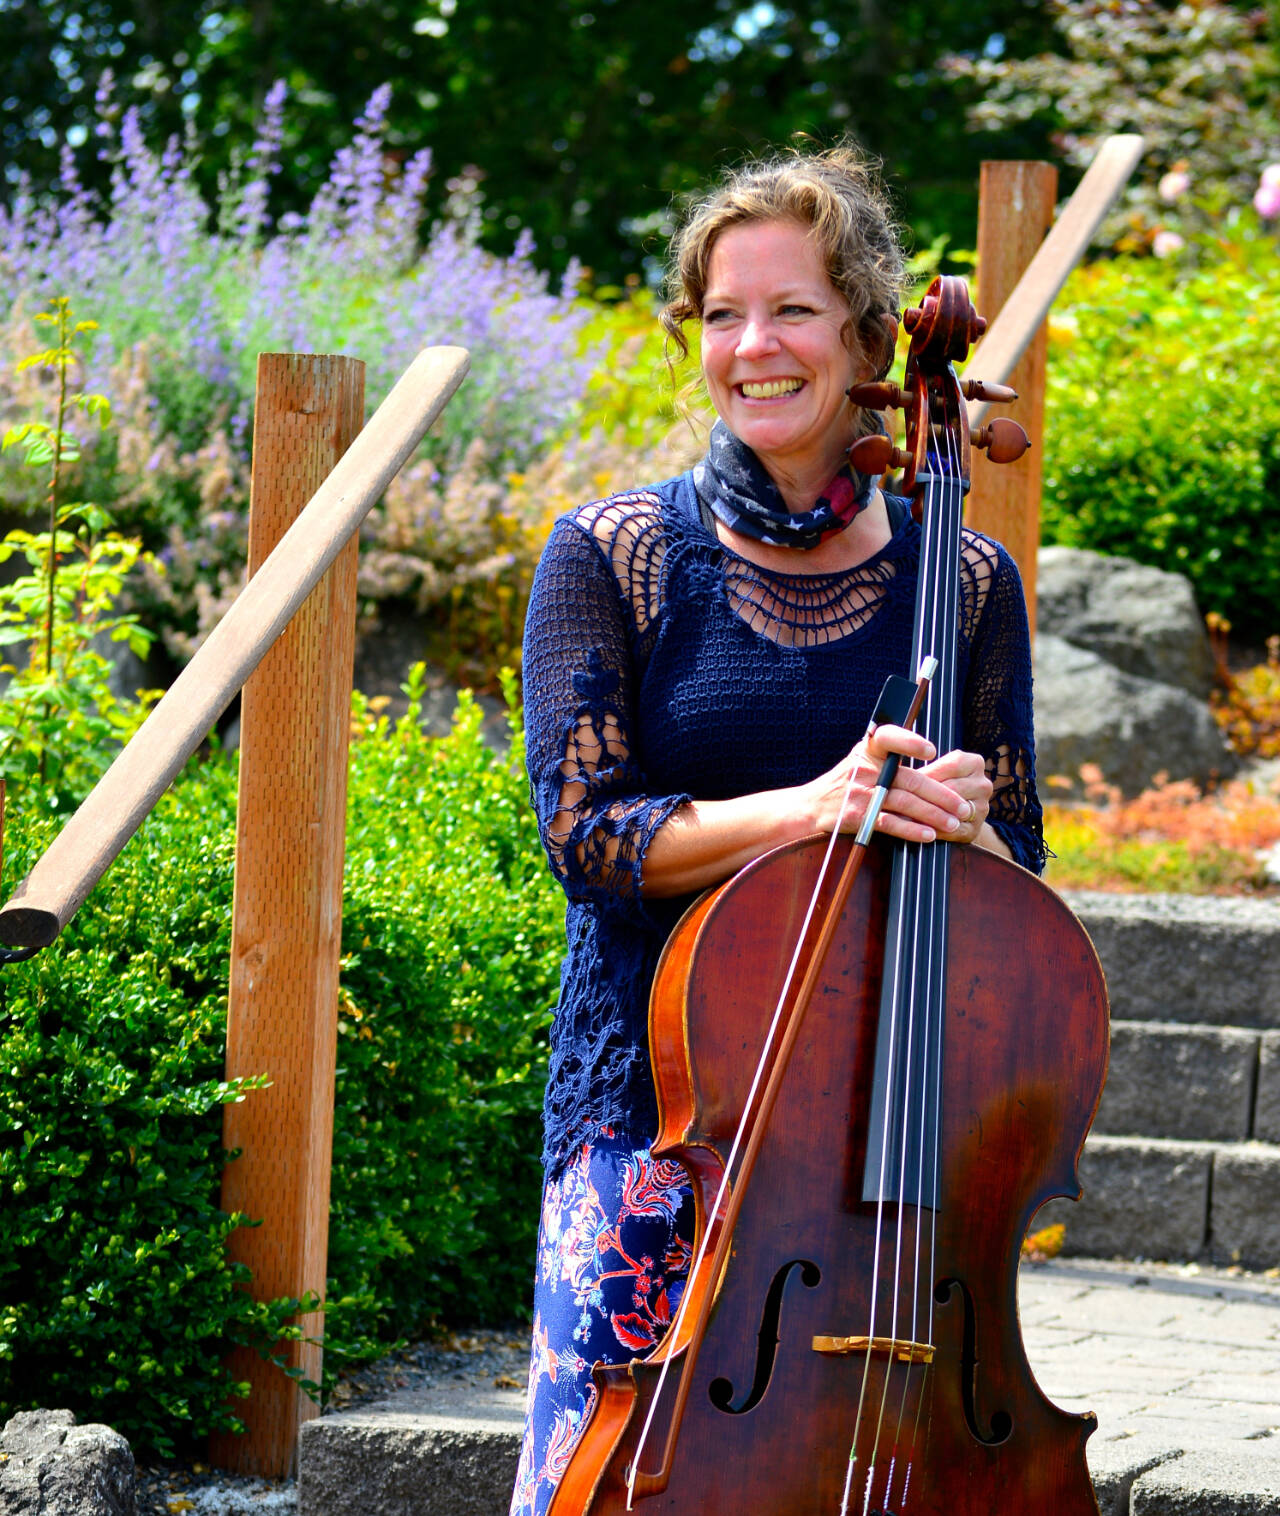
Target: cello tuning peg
column 877, row 396
column 1002, row 440
column 993, row 394
column 925, row 311
column 876, row 455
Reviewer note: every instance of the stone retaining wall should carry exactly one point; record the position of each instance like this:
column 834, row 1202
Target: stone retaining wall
column 1184, row 1158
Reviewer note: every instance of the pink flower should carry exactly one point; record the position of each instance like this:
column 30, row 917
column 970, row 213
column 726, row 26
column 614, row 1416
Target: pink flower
column 1166, row 244
column 1266, row 199
column 1174, row 185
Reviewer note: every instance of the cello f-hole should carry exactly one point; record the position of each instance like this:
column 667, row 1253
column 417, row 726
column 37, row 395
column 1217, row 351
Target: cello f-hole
column 721, row 1390
column 1001, row 1422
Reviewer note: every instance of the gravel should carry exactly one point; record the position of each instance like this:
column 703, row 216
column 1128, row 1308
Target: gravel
column 479, row 1357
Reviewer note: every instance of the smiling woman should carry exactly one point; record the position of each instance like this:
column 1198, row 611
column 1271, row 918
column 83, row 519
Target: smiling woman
column 702, row 657
column 774, row 354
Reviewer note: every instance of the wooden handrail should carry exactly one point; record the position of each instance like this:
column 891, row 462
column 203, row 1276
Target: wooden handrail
column 117, row 805
column 1006, row 340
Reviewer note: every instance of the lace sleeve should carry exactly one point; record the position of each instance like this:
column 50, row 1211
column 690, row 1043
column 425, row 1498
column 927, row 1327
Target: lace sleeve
column 595, row 813
column 997, row 701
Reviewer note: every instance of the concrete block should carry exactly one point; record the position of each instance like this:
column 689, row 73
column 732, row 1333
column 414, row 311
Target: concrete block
column 1244, row 1220
column 1186, row 1083
column 450, row 1452
column 1258, row 1388
column 1143, row 1198
column 1245, row 1334
column 1187, row 958
column 1228, row 1481
column 1116, row 1462
column 1266, row 1111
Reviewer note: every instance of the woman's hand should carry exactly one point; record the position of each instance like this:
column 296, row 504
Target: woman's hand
column 945, row 798
column 706, row 841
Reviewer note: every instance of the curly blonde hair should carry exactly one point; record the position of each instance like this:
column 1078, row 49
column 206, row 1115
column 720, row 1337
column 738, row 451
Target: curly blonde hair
column 837, row 196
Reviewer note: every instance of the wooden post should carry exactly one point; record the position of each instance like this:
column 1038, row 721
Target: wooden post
column 287, row 915
column 1015, row 210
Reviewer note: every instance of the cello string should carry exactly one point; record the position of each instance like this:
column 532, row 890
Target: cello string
column 953, row 634
column 902, row 988
column 917, row 1097
column 940, row 862
column 903, row 1006
column 899, row 967
column 739, row 1135
column 937, row 727
column 915, row 863
column 895, row 970
column 930, row 1145
column 942, row 564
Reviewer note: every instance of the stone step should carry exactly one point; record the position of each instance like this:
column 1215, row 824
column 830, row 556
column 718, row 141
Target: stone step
column 1184, row 958
column 1149, row 1197
column 440, row 1452
column 1191, row 1083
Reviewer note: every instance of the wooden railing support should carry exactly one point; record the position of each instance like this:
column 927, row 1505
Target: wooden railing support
column 287, row 917
column 1009, row 334
column 1015, row 210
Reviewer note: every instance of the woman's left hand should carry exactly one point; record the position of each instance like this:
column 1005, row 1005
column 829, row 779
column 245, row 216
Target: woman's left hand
column 966, row 775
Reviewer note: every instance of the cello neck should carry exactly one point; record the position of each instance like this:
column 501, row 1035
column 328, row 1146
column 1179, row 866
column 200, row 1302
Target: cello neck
column 904, row 1119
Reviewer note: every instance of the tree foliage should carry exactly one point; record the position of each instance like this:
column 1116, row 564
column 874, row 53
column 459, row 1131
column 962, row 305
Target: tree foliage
column 579, row 119
column 1162, row 419
column 1197, row 79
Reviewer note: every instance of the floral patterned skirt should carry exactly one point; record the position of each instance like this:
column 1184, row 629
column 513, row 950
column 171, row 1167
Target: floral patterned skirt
column 613, row 1255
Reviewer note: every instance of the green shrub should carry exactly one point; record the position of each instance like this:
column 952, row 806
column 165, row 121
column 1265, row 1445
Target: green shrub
column 1163, row 421
column 116, row 1298
column 452, row 933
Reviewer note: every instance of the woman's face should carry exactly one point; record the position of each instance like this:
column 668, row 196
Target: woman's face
column 774, row 360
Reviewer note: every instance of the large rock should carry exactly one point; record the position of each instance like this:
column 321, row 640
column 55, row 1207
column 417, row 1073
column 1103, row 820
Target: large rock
column 1089, row 711
column 52, row 1467
column 384, row 657
column 1143, row 620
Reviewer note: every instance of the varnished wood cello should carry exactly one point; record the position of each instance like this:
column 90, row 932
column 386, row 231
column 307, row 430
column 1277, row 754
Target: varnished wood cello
column 876, row 1061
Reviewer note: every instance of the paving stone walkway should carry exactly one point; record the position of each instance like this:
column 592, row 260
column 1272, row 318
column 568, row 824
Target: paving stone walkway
column 1181, row 1366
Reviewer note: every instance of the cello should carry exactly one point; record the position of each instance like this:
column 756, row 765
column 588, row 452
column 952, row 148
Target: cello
column 872, row 1097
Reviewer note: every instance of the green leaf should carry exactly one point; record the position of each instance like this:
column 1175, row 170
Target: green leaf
column 54, row 357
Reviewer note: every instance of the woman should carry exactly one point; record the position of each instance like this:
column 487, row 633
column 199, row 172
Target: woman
column 701, row 661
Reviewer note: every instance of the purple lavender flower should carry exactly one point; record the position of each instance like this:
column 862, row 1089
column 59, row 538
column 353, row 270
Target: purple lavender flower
column 351, row 275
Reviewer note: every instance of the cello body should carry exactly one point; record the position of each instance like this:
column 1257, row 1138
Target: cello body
column 935, row 1401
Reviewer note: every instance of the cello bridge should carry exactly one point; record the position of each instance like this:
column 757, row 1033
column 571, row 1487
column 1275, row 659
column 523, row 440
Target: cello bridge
column 888, row 1347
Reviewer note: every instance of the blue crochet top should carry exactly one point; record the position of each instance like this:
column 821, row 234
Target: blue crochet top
column 659, row 666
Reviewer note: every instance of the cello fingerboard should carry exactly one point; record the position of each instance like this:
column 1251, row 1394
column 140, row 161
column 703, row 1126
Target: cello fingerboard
column 904, row 1118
